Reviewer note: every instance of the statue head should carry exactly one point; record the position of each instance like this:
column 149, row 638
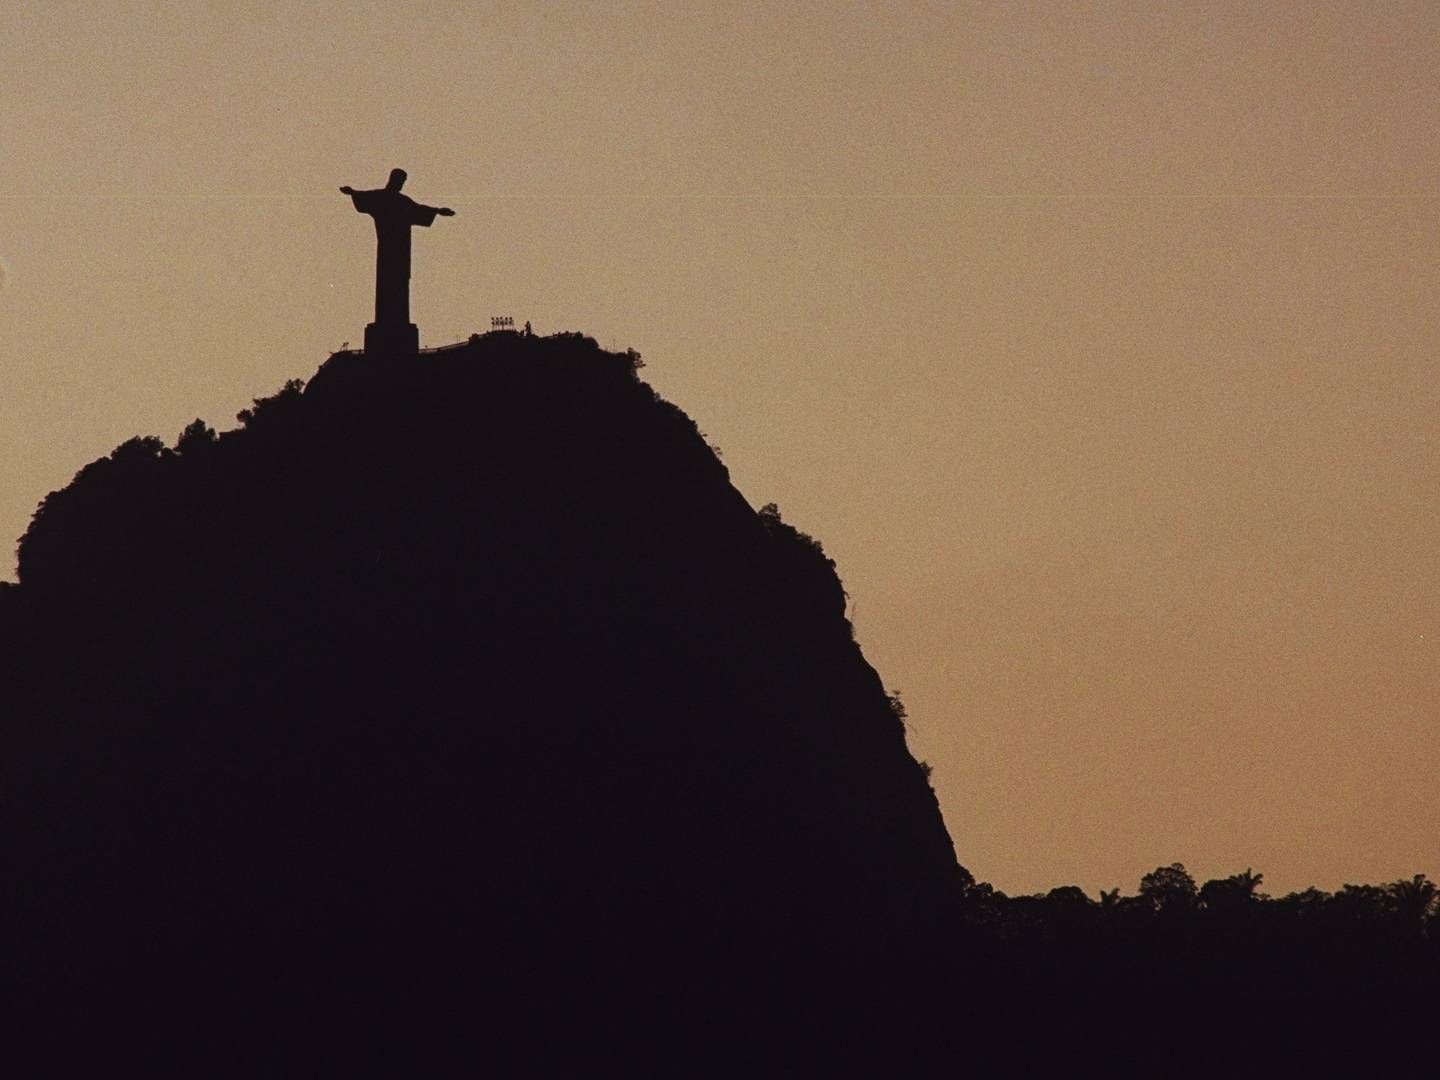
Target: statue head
column 396, row 181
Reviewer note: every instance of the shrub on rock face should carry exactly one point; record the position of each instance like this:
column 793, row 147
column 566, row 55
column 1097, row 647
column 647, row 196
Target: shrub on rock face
column 197, row 438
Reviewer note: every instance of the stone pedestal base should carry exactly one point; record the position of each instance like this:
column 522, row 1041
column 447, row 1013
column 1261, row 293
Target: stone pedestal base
column 392, row 339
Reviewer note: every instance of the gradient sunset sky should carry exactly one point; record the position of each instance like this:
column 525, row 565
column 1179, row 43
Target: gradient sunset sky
column 1095, row 341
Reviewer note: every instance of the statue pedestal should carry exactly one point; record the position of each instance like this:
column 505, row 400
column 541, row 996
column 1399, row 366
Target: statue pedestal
column 392, row 339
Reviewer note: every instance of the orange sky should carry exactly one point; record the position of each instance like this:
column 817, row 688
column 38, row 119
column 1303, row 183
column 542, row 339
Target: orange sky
column 1094, row 340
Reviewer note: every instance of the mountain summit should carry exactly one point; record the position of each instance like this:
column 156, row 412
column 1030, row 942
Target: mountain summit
column 453, row 712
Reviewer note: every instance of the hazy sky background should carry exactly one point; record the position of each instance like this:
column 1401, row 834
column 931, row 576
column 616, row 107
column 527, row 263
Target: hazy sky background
column 1094, row 340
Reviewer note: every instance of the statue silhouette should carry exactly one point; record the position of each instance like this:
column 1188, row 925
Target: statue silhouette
column 392, row 331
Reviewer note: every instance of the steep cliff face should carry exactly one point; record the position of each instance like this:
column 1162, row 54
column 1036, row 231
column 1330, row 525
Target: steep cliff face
column 452, row 708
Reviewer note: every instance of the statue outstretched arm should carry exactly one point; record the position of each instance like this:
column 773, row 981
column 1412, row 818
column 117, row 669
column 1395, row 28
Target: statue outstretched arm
column 423, row 215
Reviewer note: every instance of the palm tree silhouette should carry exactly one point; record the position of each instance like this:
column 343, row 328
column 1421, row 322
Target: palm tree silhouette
column 1413, row 901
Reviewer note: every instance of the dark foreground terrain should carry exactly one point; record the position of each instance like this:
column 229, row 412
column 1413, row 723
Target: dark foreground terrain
column 457, row 717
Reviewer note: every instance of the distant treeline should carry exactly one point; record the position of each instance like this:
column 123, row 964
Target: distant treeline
column 1358, row 915
column 1186, row 979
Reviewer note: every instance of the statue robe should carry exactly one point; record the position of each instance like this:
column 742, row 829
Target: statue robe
column 395, row 214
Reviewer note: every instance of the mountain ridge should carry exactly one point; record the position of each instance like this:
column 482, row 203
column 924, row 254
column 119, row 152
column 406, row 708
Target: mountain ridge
column 500, row 598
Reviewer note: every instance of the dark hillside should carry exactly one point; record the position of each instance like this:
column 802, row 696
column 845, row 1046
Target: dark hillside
column 457, row 717
column 451, row 711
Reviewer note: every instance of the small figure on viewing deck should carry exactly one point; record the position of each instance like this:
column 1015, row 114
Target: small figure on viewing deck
column 394, row 214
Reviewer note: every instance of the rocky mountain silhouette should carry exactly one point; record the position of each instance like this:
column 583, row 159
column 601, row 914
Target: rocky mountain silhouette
column 454, row 716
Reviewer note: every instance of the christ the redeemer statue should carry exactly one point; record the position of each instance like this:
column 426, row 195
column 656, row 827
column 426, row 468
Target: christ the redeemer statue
column 392, row 331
